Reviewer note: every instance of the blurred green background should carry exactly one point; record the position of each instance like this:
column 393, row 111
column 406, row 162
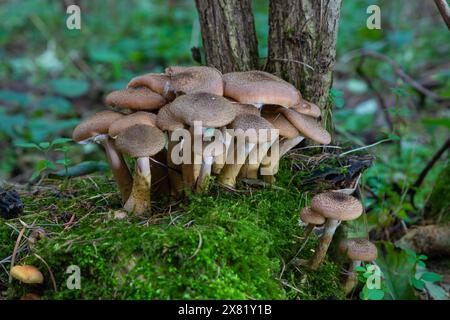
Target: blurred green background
column 51, row 77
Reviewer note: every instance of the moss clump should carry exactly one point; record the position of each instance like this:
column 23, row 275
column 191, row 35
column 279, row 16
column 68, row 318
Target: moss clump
column 222, row 245
column 438, row 205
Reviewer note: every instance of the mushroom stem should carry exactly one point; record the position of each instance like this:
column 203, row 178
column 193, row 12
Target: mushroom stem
column 205, row 173
column 324, row 242
column 231, row 170
column 250, row 170
column 139, row 200
column 269, row 166
column 352, row 279
column 175, row 177
column 119, row 168
column 219, row 161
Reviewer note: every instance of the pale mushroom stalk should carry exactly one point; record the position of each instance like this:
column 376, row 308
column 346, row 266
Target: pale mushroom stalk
column 312, row 219
column 330, row 228
column 205, row 174
column 231, row 170
column 352, row 279
column 219, row 160
column 119, row 168
column 175, row 177
column 272, row 166
column 139, row 200
column 250, row 170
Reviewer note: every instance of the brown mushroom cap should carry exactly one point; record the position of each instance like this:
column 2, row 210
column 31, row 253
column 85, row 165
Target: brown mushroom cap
column 242, row 108
column 307, row 108
column 308, row 126
column 249, row 121
column 260, row 87
column 140, row 141
column 188, row 80
column 165, row 120
column 27, row 274
column 140, row 117
column 359, row 249
column 214, row 111
column 96, row 124
column 135, row 99
column 337, row 205
column 279, row 121
column 157, row 82
column 308, row 215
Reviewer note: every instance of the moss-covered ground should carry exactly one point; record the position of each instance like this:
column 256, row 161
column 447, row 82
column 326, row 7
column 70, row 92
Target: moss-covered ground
column 223, row 245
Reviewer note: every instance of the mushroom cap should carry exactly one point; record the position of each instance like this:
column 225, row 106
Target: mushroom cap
column 188, row 80
column 96, row 124
column 279, row 121
column 241, row 108
column 140, row 117
column 307, row 108
column 27, row 274
column 359, row 249
column 165, row 120
column 249, row 121
column 260, row 87
column 135, row 98
column 214, row 111
column 308, row 215
column 308, row 126
column 141, row 140
column 157, row 82
column 337, row 205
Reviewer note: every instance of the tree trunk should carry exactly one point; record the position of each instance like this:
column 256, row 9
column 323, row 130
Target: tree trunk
column 302, row 47
column 228, row 34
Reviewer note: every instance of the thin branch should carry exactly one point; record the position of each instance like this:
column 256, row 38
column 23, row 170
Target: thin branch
column 403, row 75
column 444, row 10
column 364, row 147
column 378, row 95
column 294, row 61
column 431, row 163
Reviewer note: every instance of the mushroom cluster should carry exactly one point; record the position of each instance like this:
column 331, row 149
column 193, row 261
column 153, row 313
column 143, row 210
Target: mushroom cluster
column 190, row 123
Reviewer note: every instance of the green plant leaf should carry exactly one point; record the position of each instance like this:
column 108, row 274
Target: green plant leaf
column 70, row 87
column 431, row 277
column 50, row 165
column 436, row 292
column 417, row 283
column 27, row 145
column 44, row 145
column 437, row 122
column 375, row 294
column 59, row 141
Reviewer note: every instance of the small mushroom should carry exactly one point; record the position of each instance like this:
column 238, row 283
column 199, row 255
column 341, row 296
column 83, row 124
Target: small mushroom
column 258, row 88
column 335, row 207
column 357, row 250
column 246, row 127
column 307, row 108
column 312, row 219
column 140, row 142
column 95, row 129
column 27, row 274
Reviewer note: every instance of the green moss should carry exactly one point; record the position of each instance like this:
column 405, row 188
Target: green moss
column 223, row 245
column 438, row 205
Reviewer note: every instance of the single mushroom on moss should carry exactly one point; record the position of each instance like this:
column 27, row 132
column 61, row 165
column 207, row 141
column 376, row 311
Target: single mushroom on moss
column 335, row 207
column 27, row 274
column 247, row 129
column 140, row 142
column 95, row 129
column 357, row 250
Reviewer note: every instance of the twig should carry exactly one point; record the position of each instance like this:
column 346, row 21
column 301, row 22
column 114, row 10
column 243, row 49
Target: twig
column 403, row 75
column 200, row 241
column 49, row 271
column 364, row 147
column 444, row 10
column 378, row 96
column 428, row 167
column 294, row 61
column 13, row 256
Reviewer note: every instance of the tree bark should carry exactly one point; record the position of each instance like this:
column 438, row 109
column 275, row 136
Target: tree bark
column 302, row 47
column 228, row 34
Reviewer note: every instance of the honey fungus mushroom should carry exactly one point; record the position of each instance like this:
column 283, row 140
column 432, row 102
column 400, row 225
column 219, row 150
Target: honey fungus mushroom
column 335, row 207
column 140, row 142
column 27, row 274
column 358, row 250
column 95, row 129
